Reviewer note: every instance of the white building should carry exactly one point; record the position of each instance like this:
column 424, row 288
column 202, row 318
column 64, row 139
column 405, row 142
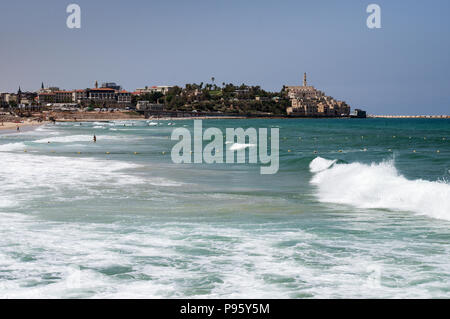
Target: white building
column 152, row 89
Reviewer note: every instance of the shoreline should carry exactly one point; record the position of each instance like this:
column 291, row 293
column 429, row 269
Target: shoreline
column 154, row 119
column 250, row 118
column 11, row 127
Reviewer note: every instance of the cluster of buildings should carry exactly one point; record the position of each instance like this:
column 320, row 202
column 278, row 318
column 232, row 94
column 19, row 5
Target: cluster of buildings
column 304, row 101
column 108, row 95
column 27, row 98
column 309, row 102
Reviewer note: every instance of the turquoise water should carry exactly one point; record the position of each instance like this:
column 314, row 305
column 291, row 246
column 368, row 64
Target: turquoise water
column 353, row 212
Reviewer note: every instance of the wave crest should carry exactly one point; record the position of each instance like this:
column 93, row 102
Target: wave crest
column 240, row 146
column 379, row 186
column 12, row 147
column 320, row 164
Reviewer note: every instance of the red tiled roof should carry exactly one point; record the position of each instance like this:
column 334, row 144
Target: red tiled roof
column 103, row 89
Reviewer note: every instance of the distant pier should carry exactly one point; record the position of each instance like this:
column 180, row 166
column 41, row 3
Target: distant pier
column 410, row 116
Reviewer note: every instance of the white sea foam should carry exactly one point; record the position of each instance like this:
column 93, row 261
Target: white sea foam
column 27, row 177
column 75, row 138
column 197, row 259
column 7, row 203
column 379, row 185
column 165, row 182
column 240, row 146
column 12, row 147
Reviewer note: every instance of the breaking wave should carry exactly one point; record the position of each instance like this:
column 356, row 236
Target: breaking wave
column 379, row 185
column 12, row 147
column 320, row 164
column 240, row 146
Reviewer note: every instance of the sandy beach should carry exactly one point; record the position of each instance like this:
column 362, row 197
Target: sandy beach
column 21, row 124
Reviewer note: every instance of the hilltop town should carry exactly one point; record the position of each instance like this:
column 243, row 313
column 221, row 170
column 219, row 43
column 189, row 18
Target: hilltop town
column 111, row 101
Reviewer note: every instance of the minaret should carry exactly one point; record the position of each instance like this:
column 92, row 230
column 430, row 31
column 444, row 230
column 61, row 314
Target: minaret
column 42, row 85
column 304, row 80
column 96, row 84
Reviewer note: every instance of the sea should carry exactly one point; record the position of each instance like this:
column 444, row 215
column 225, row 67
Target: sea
column 359, row 208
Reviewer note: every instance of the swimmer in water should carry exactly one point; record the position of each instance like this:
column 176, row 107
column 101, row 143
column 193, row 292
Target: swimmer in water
column 95, row 139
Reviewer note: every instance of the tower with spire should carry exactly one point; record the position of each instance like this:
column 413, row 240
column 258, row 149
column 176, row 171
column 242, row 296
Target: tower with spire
column 96, row 84
column 19, row 95
column 304, row 80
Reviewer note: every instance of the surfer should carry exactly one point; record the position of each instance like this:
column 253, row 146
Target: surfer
column 95, row 139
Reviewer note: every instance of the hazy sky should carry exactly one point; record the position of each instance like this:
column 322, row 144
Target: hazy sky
column 402, row 68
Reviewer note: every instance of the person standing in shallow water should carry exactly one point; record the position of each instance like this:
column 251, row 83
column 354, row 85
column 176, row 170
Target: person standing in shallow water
column 95, row 139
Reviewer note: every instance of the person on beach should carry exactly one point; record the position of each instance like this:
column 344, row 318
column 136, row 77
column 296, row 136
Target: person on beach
column 95, row 139
column 18, row 128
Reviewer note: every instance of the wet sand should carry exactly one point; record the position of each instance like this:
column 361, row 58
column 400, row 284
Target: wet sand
column 11, row 127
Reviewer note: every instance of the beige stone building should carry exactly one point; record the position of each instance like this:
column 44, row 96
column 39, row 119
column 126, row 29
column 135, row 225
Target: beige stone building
column 79, row 96
column 307, row 101
column 123, row 97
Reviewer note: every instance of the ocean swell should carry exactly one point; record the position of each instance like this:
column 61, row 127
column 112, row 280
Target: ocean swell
column 379, row 185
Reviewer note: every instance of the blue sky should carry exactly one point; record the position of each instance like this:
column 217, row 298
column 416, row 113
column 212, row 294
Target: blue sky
column 402, row 68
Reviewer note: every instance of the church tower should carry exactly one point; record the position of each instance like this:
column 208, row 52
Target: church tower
column 304, row 80
column 19, row 96
column 96, row 84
